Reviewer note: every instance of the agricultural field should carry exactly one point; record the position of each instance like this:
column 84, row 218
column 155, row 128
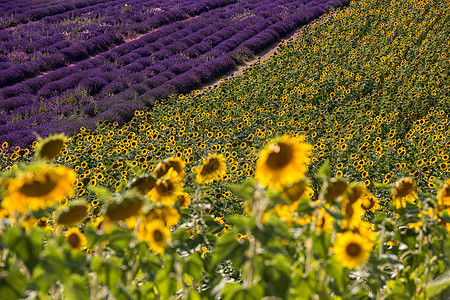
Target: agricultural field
column 321, row 172
column 64, row 66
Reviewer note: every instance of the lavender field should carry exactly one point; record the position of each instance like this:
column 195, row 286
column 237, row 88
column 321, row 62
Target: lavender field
column 66, row 65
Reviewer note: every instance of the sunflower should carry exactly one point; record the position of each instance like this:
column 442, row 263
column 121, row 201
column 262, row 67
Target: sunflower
column 370, row 203
column 127, row 206
column 72, row 213
column 212, row 168
column 50, row 147
column 183, row 200
column 166, row 189
column 175, row 163
column 156, row 234
column 38, row 187
column 297, row 191
column 143, row 184
column 283, row 162
column 404, row 192
column 352, row 249
column 75, row 238
column 443, row 199
column 167, row 214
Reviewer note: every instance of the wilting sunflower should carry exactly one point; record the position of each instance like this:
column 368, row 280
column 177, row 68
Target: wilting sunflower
column 156, row 234
column 50, row 147
column 212, row 168
column 175, row 163
column 352, row 249
column 283, row 162
column 143, row 184
column 404, row 192
column 37, row 187
column 443, row 199
column 126, row 206
column 75, row 238
column 166, row 189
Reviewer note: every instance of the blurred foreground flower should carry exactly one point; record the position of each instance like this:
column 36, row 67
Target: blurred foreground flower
column 284, row 161
column 212, row 168
column 37, row 187
column 404, row 192
column 352, row 249
column 75, row 239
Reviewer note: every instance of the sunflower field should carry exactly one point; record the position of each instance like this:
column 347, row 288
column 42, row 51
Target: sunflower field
column 319, row 173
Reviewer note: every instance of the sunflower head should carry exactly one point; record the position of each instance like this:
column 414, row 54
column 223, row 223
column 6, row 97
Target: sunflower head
column 283, row 162
column 335, row 188
column 167, row 214
column 72, row 213
column 143, row 184
column 128, row 205
column 403, row 187
column 156, row 234
column 75, row 239
column 443, row 199
column 49, row 148
column 352, row 249
column 175, row 163
column 297, row 191
column 211, row 169
column 38, row 186
column 183, row 200
column 166, row 189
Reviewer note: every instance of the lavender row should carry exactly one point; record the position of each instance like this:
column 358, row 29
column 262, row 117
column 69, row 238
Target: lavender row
column 140, row 79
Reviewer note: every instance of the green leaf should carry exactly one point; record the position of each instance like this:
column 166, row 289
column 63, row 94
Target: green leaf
column 194, row 266
column 243, row 191
column 324, row 170
column 76, row 287
column 234, row 291
column 119, row 239
column 108, row 271
column 335, row 270
column 438, row 285
column 277, row 276
column 166, row 285
column 228, row 247
column 27, row 245
column 12, row 284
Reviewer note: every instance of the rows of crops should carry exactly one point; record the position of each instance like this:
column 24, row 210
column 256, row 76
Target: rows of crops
column 320, row 172
column 73, row 68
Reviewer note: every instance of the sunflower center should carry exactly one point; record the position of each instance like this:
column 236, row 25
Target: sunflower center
column 210, row 167
column 158, row 236
column 74, row 240
column 165, row 188
column 280, row 156
column 144, row 184
column 369, row 204
column 51, row 149
column 353, row 249
column 38, row 188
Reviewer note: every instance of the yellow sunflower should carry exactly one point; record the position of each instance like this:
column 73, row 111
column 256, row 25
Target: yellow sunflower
column 176, row 163
column 283, row 162
column 183, row 200
column 72, row 213
column 443, row 200
column 167, row 214
column 404, row 191
column 39, row 187
column 156, row 234
column 75, row 238
column 50, row 147
column 297, row 191
column 212, row 168
column 166, row 189
column 352, row 249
